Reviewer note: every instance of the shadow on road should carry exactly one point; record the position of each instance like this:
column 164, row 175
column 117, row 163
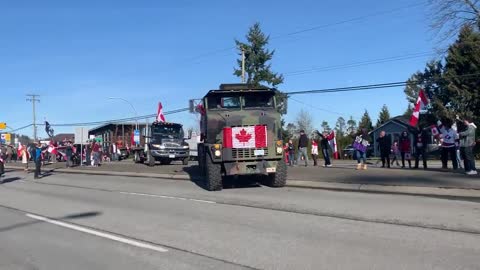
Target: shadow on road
column 65, row 218
column 229, row 182
column 9, row 180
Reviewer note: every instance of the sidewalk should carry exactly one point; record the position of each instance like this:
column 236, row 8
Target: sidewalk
column 343, row 176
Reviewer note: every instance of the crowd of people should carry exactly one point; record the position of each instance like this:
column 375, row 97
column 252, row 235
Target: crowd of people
column 456, row 144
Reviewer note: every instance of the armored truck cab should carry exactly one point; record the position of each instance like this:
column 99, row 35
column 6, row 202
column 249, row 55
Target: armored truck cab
column 241, row 135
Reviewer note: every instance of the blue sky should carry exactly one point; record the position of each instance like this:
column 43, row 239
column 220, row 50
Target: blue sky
column 76, row 55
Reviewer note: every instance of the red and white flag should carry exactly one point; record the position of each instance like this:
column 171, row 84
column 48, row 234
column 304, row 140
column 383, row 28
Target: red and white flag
column 160, row 116
column 434, row 130
column 52, row 149
column 332, row 140
column 245, row 137
column 422, row 102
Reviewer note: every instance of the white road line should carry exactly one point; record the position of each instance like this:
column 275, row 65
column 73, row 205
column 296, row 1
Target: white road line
column 165, row 197
column 99, row 234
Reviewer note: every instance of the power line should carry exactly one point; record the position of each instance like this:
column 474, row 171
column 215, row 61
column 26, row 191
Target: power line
column 373, row 86
column 360, row 63
column 214, row 52
column 315, row 107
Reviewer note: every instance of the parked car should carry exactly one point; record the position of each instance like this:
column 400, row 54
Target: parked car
column 350, row 153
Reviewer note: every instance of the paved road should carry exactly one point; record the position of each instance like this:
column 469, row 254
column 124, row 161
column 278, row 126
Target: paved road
column 100, row 222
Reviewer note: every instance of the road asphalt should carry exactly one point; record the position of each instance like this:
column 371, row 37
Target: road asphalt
column 74, row 221
column 343, row 176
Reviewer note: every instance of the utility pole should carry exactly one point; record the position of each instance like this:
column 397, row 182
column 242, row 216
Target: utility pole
column 243, row 65
column 34, row 98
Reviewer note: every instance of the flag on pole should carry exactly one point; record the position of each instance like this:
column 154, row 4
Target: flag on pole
column 160, row 116
column 332, row 140
column 422, row 102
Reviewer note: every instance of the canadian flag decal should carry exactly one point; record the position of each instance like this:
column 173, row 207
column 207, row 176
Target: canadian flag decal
column 245, row 137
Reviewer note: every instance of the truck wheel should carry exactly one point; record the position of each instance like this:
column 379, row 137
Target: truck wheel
column 185, row 161
column 213, row 175
column 279, row 178
column 150, row 159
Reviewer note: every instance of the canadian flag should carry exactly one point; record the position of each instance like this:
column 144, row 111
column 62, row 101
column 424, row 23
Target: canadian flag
column 245, row 137
column 435, row 131
column 332, row 140
column 160, row 116
column 421, row 103
column 52, row 149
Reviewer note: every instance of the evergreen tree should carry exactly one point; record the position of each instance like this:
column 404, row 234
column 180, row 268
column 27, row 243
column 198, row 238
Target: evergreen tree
column 462, row 83
column 351, row 126
column 340, row 127
column 326, row 127
column 383, row 116
column 365, row 122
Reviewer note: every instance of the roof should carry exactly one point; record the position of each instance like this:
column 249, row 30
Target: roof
column 240, row 87
column 64, row 136
column 400, row 120
column 115, row 123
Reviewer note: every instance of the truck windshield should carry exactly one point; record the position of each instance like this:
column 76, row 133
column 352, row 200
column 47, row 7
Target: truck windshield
column 257, row 101
column 167, row 131
column 224, row 102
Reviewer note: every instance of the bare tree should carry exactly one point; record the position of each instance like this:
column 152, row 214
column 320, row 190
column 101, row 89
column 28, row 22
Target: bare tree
column 304, row 121
column 449, row 16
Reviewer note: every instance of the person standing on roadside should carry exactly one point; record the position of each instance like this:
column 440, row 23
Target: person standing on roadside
column 421, row 148
column 395, row 153
column 24, row 155
column 9, row 152
column 360, row 145
column 96, row 154
column 467, row 143
column 405, row 149
column 69, row 154
column 302, row 148
column 448, row 136
column 291, row 153
column 324, row 144
column 384, row 146
column 314, row 151
column 38, row 161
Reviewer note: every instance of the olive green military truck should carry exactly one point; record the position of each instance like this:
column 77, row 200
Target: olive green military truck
column 241, row 135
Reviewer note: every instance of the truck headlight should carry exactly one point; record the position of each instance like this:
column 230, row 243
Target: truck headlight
column 218, row 153
column 158, row 146
column 279, row 150
column 185, row 147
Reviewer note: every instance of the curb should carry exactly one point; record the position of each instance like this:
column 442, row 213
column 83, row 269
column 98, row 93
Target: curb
column 406, row 190
column 385, row 189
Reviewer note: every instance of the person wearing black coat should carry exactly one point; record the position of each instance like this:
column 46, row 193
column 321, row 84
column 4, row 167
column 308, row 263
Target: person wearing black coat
column 384, row 146
column 421, row 142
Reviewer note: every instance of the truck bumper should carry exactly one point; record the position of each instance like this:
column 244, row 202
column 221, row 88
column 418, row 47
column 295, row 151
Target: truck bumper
column 251, row 167
column 170, row 154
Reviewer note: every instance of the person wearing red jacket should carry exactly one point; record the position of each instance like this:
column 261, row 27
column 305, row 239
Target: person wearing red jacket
column 405, row 149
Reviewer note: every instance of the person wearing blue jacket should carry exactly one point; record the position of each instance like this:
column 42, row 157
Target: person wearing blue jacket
column 38, row 161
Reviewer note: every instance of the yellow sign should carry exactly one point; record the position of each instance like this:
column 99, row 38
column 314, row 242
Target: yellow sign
column 8, row 137
column 3, row 125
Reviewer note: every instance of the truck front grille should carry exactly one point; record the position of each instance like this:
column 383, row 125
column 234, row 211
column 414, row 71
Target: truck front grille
column 247, row 152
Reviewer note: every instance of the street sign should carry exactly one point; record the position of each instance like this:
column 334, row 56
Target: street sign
column 6, row 138
column 136, row 136
column 3, row 125
column 81, row 135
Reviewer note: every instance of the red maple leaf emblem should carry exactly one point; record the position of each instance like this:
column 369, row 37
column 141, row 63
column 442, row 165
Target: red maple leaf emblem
column 243, row 136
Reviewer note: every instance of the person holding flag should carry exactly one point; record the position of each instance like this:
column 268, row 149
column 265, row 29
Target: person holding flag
column 325, row 145
column 447, row 137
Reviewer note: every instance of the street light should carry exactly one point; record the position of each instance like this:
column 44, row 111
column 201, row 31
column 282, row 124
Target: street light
column 133, row 108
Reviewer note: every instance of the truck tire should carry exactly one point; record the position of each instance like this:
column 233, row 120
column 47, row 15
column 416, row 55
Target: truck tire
column 185, row 161
column 150, row 159
column 279, row 178
column 213, row 175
